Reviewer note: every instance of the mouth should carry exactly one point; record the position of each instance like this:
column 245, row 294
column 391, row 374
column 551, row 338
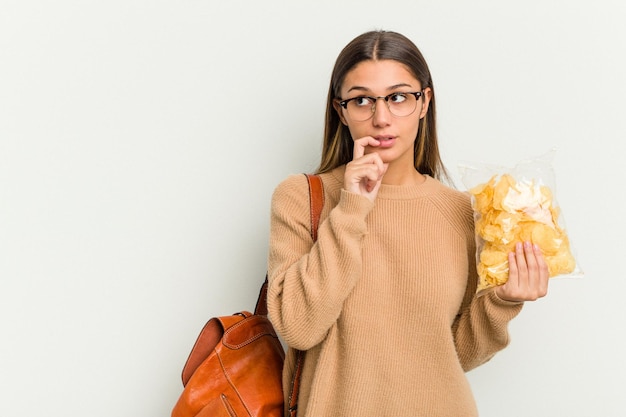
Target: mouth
column 385, row 141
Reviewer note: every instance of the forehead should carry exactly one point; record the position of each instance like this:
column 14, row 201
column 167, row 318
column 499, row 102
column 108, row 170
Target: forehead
column 379, row 76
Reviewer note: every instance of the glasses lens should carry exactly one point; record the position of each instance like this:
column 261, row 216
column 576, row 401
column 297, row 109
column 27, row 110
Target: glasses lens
column 361, row 108
column 399, row 104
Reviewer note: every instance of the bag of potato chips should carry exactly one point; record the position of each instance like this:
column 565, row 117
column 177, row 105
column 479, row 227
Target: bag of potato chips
column 514, row 205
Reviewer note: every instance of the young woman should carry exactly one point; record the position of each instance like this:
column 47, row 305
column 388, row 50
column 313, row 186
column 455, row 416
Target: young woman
column 384, row 302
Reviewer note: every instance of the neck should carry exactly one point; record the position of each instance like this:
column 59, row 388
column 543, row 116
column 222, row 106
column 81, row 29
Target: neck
column 402, row 175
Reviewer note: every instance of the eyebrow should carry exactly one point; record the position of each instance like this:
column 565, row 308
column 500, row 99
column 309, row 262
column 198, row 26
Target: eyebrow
column 365, row 89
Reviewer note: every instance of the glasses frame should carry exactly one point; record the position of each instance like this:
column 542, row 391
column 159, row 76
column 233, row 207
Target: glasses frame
column 417, row 94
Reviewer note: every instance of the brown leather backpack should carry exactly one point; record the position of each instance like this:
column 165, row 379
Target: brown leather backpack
column 235, row 366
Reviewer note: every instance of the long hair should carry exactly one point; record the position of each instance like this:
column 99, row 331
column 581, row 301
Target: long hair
column 338, row 145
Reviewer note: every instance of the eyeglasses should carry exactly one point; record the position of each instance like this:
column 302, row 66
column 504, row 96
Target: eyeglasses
column 362, row 108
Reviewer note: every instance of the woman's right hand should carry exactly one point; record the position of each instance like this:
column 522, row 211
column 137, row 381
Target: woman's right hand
column 364, row 173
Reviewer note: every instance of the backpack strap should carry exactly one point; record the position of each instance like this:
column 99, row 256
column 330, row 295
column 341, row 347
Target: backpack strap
column 316, row 201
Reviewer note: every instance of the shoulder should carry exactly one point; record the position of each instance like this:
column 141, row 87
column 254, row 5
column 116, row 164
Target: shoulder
column 294, row 183
column 295, row 186
column 455, row 205
column 460, row 199
column 291, row 194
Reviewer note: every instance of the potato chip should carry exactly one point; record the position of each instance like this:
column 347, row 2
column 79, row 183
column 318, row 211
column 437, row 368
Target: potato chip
column 491, row 256
column 509, row 211
column 562, row 262
column 483, row 196
column 501, row 190
column 548, row 238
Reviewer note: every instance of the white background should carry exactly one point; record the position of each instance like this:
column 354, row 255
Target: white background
column 140, row 142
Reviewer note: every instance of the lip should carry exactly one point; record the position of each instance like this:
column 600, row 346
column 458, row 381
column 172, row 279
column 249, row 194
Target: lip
column 386, row 141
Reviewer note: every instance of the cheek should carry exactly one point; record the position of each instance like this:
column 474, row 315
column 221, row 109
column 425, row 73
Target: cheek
column 356, row 131
column 411, row 127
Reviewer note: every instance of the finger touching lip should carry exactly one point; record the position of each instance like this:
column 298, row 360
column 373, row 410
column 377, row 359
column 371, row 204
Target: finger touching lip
column 385, row 141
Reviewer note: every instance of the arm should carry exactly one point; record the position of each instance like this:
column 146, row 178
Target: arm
column 481, row 328
column 308, row 282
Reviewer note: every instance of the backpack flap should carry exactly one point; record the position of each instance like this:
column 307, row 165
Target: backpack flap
column 207, row 340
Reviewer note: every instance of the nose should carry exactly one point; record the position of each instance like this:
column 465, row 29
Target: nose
column 382, row 114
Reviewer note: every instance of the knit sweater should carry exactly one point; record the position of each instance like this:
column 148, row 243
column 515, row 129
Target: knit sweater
column 384, row 302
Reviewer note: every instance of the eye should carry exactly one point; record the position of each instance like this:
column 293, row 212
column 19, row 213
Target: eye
column 397, row 97
column 362, row 101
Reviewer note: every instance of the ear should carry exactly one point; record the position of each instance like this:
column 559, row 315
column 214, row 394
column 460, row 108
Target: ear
column 339, row 111
column 428, row 92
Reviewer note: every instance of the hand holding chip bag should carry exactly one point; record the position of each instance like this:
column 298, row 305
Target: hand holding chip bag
column 512, row 206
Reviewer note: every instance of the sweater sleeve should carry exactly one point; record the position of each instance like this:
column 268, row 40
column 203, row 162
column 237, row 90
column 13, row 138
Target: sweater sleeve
column 481, row 330
column 481, row 327
column 309, row 282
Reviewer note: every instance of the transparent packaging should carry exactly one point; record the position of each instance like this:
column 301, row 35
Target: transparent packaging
column 514, row 205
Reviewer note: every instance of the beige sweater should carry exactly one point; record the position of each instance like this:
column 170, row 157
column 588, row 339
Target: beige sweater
column 384, row 302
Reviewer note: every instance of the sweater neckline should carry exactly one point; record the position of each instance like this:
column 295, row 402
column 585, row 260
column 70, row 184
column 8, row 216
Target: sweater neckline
column 397, row 192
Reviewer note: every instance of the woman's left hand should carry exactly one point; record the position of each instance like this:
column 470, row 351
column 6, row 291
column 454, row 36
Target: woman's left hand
column 528, row 275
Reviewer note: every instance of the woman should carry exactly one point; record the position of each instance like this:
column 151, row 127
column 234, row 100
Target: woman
column 384, row 302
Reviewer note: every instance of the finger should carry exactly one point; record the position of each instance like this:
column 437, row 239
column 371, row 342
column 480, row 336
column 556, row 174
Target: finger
column 373, row 186
column 369, row 162
column 534, row 281
column 531, row 263
column 513, row 271
column 544, row 273
column 361, row 144
column 362, row 177
column 522, row 268
column 506, row 291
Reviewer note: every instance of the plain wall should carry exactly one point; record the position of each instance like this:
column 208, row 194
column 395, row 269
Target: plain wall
column 140, row 142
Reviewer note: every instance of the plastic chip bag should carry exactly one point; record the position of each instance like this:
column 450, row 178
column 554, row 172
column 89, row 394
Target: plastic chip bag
column 516, row 205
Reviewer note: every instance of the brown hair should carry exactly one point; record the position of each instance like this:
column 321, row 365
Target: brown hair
column 379, row 45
